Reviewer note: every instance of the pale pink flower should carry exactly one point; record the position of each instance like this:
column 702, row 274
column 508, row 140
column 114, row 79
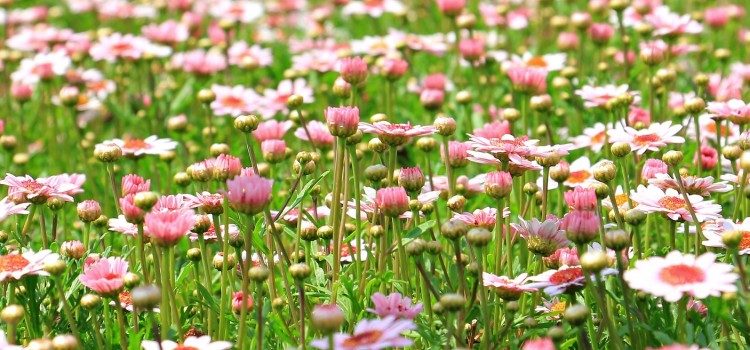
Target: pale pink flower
column 211, row 236
column 320, row 136
column 702, row 186
column 371, row 334
column 481, row 217
column 546, row 235
column 173, row 202
column 233, row 100
column 734, row 110
column 592, row 138
column 725, row 88
column 121, row 225
column 118, row 46
column 200, row 61
column 8, row 208
column 394, row 305
column 672, row 204
column 105, row 276
column 494, row 130
column 598, row 96
column 507, row 288
column 539, row 344
column 239, row 298
column 14, row 266
column 563, row 280
column 714, row 236
column 676, row 275
column 166, row 228
column 133, row 183
column 248, row 194
column 152, row 145
column 240, row 52
column 274, row 100
column 168, row 32
column 132, row 213
column 373, row 9
column 508, row 147
column 192, row 343
column 670, row 24
column 716, row 17
column 244, row 11
column 529, row 80
column 38, row 190
column 549, row 62
column 655, row 137
column 601, row 32
column 43, row 66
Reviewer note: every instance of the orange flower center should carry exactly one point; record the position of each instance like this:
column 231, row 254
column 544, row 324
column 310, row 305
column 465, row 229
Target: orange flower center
column 598, row 138
column 672, row 203
column 578, row 177
column 232, row 102
column 121, row 48
column 183, row 347
column 12, row 263
column 136, row 144
column 566, row 276
column 745, row 242
column 31, row 185
column 559, row 307
column 362, row 339
column 536, row 61
column 643, row 140
column 621, row 199
column 125, row 298
column 682, row 274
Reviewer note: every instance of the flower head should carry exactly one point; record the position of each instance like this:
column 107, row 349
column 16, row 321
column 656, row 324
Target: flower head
column 248, row 194
column 394, row 305
column 105, row 276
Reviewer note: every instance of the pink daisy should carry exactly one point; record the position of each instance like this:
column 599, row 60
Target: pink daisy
column 14, row 266
column 398, row 133
column 233, row 100
column 481, row 217
column 39, row 190
column 598, row 96
column 191, row 343
column 542, row 237
column 319, row 134
column 652, row 139
column 394, row 305
column 505, row 287
column 151, row 145
column 240, row 52
column 274, row 100
column 371, row 334
column 272, row 130
column 714, row 237
column 563, row 280
column 677, row 275
column 105, row 276
column 703, row 186
column 672, row 204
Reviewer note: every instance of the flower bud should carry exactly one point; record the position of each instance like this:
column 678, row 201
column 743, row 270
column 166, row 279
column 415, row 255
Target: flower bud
column 416, row 247
column 605, row 171
column 411, row 179
column 299, row 271
column 90, row 301
column 65, row 342
column 672, row 158
column 206, row 96
column 620, row 149
column 453, row 229
column 452, row 302
column 732, row 238
column 145, row 200
column 194, row 254
column 55, row 268
column 576, row 314
column 456, row 203
column 745, row 161
column 12, row 314
column 108, row 153
column 479, row 236
column 695, row 105
column 72, row 249
column 146, row 297
column 325, row 232
column 594, row 261
column 635, row 217
column 427, row 144
column 327, row 318
column 258, row 273
column 498, row 184
column 246, row 123
column 445, row 126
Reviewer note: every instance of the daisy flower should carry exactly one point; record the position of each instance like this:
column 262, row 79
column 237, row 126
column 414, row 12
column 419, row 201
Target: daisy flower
column 581, row 174
column 652, row 139
column 553, row 308
column 121, row 225
column 8, row 208
column 542, row 237
column 239, row 52
column 566, row 279
column 703, row 186
column 509, row 148
column 505, row 287
column 200, row 61
column 14, row 266
column 371, row 334
column 373, row 8
column 481, row 217
column 210, row 235
column 39, row 190
column 351, row 250
column 671, row 203
column 319, row 134
column 105, row 276
column 275, row 99
column 394, row 305
column 592, row 138
column 598, row 96
column 272, row 130
column 233, row 100
column 714, row 237
column 239, row 11
column 549, row 62
column 151, row 145
column 396, row 133
column 677, row 275
column 118, row 46
column 734, row 110
column 192, row 343
column 670, row 24
column 42, row 66
column 710, row 130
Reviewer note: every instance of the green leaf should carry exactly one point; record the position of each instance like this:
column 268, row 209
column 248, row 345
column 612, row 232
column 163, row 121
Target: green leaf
column 183, row 97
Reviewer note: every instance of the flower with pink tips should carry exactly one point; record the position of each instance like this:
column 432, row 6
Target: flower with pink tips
column 395, row 305
column 248, row 194
column 105, row 276
column 14, row 266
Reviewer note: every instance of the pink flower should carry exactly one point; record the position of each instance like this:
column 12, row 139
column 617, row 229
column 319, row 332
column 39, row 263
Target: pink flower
column 190, row 343
column 562, row 257
column 237, row 301
column 119, row 46
column 241, row 54
column 272, row 130
column 21, row 91
column 151, row 145
column 13, row 267
column 581, row 198
column 248, row 194
column 451, row 7
column 667, row 23
column 394, row 68
column 166, row 228
column 528, row 80
column 132, row 184
column 566, row 279
column 395, row 134
column 342, row 121
column 471, row 49
column 273, row 151
column 200, row 61
column 703, row 186
column 542, row 237
column 233, row 100
column 725, row 89
column 601, row 33
column 132, row 213
column 708, row 156
column 353, row 70
column 509, row 148
column 657, row 136
column 539, row 344
column 498, row 184
column 394, row 305
column 494, row 130
column 652, row 167
column 371, row 334
column 734, row 110
column 88, row 210
column 505, row 287
column 392, row 201
column 319, row 134
column 639, row 115
column 274, row 100
column 436, row 81
column 458, row 155
column 567, row 41
column 598, row 96
column 716, row 17
column 581, row 226
column 105, row 276
column 38, row 190
column 672, row 204
column 169, row 32
column 486, row 217
column 432, row 98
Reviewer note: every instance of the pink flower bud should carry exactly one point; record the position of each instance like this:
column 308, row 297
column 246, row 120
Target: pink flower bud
column 392, row 201
column 353, row 70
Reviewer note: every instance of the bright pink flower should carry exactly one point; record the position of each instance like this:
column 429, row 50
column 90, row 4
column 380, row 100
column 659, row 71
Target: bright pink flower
column 539, row 344
column 105, row 276
column 451, row 7
column 248, row 194
column 436, row 81
column 562, row 257
column 716, row 17
column 471, row 49
column 458, row 153
column 371, row 334
column 273, row 151
column 581, row 226
column 431, row 98
column 132, row 184
column 601, row 33
column 670, row 24
column 216, row 34
column 38, row 190
column 651, row 168
column 528, row 80
column 132, row 213
column 167, row 228
column 21, row 91
column 353, row 70
column 581, row 198
column 708, row 156
column 394, row 305
column 173, row 202
column 598, row 96
column 485, row 218
column 639, row 115
column 319, row 134
column 88, row 210
column 734, row 110
column 237, row 298
column 392, row 201
column 505, row 287
column 494, row 130
column 394, row 68
column 272, row 130
column 396, row 134
column 342, row 121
